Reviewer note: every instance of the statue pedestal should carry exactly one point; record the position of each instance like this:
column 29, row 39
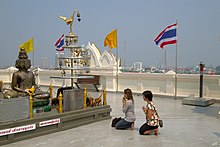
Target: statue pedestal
column 72, row 99
column 203, row 102
column 14, row 109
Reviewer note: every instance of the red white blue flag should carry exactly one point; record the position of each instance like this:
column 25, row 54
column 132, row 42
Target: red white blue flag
column 167, row 36
column 59, row 44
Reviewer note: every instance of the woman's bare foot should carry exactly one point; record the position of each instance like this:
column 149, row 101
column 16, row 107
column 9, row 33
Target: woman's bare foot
column 156, row 132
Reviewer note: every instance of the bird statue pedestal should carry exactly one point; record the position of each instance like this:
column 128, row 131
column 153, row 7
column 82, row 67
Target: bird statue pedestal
column 71, row 34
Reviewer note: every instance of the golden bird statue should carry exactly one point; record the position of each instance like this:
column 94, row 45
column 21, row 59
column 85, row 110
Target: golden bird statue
column 71, row 19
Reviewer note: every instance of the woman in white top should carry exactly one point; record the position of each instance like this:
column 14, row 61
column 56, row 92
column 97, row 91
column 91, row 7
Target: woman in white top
column 128, row 109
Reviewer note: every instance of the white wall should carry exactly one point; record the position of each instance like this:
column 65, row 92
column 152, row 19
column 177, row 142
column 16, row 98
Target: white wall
column 163, row 84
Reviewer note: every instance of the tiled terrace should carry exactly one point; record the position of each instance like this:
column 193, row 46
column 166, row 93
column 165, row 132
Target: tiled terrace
column 184, row 125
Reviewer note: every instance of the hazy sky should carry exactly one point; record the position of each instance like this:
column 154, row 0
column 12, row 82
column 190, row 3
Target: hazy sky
column 138, row 23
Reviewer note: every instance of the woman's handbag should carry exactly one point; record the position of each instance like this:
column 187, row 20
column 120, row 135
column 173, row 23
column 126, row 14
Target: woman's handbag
column 115, row 121
column 161, row 123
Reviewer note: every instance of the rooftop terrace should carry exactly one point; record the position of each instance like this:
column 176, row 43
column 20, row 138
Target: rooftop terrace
column 184, row 125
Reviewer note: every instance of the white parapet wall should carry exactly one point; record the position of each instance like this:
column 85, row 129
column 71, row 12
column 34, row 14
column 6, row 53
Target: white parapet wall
column 162, row 84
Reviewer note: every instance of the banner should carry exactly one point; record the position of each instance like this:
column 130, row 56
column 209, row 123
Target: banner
column 28, row 45
column 167, row 36
column 111, row 39
column 59, row 44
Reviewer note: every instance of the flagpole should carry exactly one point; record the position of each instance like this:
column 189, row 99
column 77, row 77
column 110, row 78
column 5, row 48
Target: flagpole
column 33, row 54
column 111, row 41
column 176, row 64
column 165, row 65
column 117, row 68
column 124, row 53
column 33, row 58
column 117, row 59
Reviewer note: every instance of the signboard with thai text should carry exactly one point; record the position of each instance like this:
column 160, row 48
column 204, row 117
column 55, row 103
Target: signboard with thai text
column 49, row 122
column 17, row 129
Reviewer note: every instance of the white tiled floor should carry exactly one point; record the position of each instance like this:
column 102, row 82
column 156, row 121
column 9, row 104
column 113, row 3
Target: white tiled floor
column 183, row 126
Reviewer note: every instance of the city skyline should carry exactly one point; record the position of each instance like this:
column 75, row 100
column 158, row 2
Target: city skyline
column 138, row 23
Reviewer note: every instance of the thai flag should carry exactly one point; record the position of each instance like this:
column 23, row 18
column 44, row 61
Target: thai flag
column 59, row 44
column 167, row 36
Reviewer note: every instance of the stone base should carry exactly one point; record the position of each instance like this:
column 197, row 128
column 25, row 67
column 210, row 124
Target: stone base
column 14, row 109
column 66, row 121
column 203, row 102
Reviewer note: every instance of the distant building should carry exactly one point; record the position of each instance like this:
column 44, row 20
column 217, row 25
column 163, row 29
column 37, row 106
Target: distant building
column 57, row 55
column 44, row 62
column 217, row 70
column 138, row 66
column 56, row 60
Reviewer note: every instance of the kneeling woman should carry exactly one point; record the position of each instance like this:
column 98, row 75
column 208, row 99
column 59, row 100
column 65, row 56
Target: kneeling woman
column 152, row 118
column 128, row 109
